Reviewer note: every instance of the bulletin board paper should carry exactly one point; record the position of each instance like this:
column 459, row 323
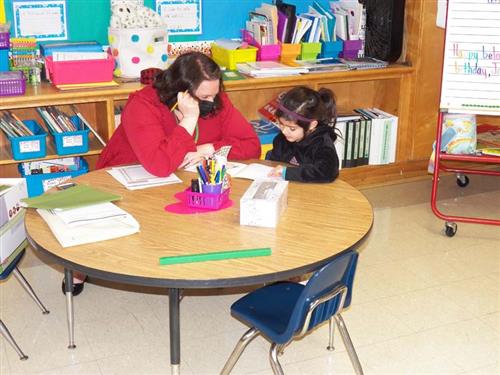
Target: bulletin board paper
column 471, row 67
column 181, row 16
column 43, row 19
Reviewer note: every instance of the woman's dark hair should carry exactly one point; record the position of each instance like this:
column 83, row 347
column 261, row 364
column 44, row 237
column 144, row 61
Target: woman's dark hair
column 187, row 72
column 315, row 105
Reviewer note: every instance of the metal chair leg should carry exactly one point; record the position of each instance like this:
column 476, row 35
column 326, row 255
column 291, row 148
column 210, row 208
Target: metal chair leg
column 24, row 283
column 273, row 358
column 240, row 346
column 331, row 326
column 10, row 339
column 348, row 344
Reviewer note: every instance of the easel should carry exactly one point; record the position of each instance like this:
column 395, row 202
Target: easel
column 470, row 84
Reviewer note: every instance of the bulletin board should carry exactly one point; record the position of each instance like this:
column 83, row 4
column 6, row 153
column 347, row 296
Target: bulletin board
column 471, row 65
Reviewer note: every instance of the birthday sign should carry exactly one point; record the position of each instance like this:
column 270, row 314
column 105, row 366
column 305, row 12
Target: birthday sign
column 471, row 67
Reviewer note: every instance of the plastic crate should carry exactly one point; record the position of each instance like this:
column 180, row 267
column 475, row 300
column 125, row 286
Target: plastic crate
column 76, row 142
column 5, row 40
column 12, row 83
column 229, row 58
column 29, row 147
column 79, row 71
column 208, row 201
column 39, row 183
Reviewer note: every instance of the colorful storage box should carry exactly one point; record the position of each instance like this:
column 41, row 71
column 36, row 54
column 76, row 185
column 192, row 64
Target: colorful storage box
column 5, row 40
column 310, row 51
column 269, row 52
column 351, row 49
column 76, row 142
column 331, row 49
column 12, row 83
column 290, row 52
column 230, row 57
column 40, row 183
column 207, row 201
column 80, row 71
column 47, row 49
column 4, row 60
column 30, row 147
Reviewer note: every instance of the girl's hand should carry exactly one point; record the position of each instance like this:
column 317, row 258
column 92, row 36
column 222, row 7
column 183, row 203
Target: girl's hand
column 276, row 172
column 206, row 149
column 187, row 111
column 191, row 158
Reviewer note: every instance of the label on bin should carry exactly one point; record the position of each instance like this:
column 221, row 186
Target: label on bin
column 51, row 182
column 72, row 141
column 29, row 146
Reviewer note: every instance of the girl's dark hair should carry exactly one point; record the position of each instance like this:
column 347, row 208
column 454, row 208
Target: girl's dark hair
column 187, row 72
column 315, row 105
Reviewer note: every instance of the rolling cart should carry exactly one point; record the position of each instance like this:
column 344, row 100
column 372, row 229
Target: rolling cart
column 470, row 84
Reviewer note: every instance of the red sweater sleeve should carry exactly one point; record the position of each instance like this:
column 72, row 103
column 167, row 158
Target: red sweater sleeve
column 155, row 138
column 238, row 133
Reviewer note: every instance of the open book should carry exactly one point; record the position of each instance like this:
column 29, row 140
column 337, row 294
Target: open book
column 251, row 171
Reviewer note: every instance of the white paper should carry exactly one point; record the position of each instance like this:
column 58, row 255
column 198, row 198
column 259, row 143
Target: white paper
column 43, row 20
column 251, row 171
column 180, row 16
column 135, row 177
column 29, row 146
column 441, row 14
column 92, row 213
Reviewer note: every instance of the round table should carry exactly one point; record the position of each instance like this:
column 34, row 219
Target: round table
column 321, row 221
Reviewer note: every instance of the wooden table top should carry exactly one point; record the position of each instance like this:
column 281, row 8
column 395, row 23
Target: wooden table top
column 321, row 220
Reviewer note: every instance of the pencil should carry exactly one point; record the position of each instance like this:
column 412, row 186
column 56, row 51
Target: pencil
column 176, row 103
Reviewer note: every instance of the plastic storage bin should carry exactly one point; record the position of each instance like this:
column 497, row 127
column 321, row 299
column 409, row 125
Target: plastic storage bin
column 12, row 83
column 76, row 142
column 331, row 49
column 351, row 49
column 5, row 40
column 30, row 147
column 39, row 183
column 80, row 71
column 229, row 58
column 310, row 51
column 290, row 52
column 4, row 60
column 269, row 52
column 208, row 201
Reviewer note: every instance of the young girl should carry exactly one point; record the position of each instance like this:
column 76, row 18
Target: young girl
column 307, row 121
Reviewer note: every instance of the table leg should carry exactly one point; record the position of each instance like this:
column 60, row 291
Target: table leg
column 175, row 334
column 68, row 280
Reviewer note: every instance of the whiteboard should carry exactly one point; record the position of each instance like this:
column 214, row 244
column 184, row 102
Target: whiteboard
column 471, row 67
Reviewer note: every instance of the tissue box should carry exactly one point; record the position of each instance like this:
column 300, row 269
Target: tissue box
column 263, row 203
column 10, row 198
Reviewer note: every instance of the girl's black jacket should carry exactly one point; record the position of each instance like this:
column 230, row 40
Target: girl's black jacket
column 313, row 159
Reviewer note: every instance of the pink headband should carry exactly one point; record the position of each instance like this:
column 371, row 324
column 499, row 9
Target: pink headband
column 293, row 114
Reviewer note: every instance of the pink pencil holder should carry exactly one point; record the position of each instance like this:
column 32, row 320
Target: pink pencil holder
column 207, row 200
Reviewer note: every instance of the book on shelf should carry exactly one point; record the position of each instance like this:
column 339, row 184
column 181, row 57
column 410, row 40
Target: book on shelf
column 322, row 65
column 260, row 69
column 488, row 135
column 361, row 63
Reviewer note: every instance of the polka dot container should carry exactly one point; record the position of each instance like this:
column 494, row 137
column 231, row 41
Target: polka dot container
column 138, row 49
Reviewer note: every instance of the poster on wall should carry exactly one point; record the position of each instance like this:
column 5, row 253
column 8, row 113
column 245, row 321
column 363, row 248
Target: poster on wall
column 41, row 19
column 182, row 17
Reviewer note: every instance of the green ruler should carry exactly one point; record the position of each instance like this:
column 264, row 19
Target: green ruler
column 218, row 255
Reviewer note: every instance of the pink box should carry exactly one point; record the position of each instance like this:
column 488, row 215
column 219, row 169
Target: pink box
column 79, row 71
column 269, row 52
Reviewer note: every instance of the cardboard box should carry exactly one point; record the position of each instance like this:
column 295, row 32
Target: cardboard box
column 10, row 198
column 264, row 202
column 12, row 234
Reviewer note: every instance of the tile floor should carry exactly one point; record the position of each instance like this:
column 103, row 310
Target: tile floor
column 423, row 303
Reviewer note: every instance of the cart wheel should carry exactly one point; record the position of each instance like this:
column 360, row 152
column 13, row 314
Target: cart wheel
column 462, row 180
column 450, row 229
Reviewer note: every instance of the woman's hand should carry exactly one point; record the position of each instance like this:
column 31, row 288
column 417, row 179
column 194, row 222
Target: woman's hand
column 191, row 158
column 187, row 111
column 206, row 149
column 276, row 172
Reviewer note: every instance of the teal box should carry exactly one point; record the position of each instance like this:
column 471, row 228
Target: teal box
column 331, row 49
column 39, row 183
column 76, row 142
column 30, row 147
column 4, row 60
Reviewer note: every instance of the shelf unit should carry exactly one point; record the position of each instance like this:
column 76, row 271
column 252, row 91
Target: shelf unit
column 389, row 89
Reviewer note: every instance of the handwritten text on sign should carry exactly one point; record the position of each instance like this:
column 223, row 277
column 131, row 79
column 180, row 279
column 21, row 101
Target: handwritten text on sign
column 471, row 67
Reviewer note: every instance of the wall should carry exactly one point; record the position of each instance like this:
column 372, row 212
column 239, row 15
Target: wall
column 89, row 19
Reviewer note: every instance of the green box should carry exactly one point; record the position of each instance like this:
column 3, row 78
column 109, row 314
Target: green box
column 310, row 51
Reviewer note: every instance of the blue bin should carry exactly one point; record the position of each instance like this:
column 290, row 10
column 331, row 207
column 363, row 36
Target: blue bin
column 39, row 183
column 4, row 60
column 331, row 49
column 30, row 147
column 76, row 142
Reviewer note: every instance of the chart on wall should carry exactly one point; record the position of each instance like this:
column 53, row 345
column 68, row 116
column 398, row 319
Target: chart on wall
column 182, row 17
column 471, row 66
column 41, row 19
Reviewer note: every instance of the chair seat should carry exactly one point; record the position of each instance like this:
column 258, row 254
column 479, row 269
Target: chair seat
column 269, row 309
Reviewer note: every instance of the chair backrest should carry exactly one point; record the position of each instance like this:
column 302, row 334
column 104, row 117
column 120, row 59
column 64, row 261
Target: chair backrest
column 337, row 275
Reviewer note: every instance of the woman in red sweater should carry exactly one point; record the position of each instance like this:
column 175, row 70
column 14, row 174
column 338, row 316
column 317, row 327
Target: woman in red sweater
column 183, row 117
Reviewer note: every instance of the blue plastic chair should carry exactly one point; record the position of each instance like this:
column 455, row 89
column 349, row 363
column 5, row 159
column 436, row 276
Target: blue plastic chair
column 12, row 268
column 285, row 311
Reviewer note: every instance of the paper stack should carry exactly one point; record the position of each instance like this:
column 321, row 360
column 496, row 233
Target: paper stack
column 262, row 69
column 135, row 177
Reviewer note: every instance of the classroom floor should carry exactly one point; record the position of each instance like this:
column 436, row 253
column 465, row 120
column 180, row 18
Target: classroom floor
column 423, row 303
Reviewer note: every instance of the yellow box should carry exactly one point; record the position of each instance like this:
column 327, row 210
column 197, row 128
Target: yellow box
column 290, row 52
column 230, row 57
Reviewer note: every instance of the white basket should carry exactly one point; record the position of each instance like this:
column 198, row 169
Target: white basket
column 138, row 49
